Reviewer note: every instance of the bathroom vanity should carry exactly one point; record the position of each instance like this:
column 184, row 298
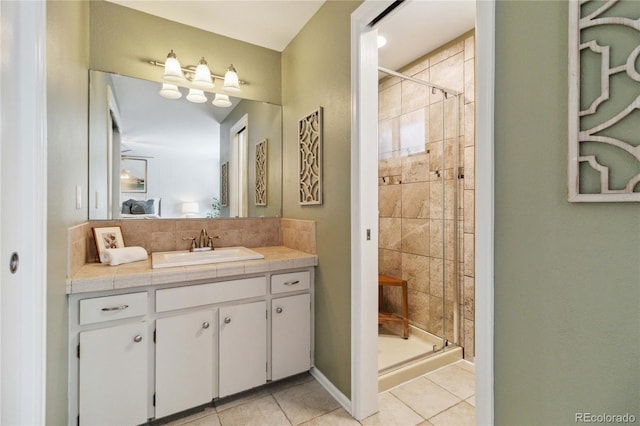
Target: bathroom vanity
column 147, row 343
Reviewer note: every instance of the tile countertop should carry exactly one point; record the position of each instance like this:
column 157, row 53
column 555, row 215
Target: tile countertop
column 102, row 277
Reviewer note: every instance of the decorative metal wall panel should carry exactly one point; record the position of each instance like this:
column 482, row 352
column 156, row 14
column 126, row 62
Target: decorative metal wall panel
column 261, row 173
column 604, row 99
column 310, row 158
column 224, row 184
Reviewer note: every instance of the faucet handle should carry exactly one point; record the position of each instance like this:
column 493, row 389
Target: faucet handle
column 193, row 241
column 211, row 240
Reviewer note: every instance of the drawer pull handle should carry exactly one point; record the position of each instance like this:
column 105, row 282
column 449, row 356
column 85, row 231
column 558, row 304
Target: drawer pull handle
column 227, row 320
column 205, row 325
column 292, row 282
column 116, row 308
column 279, row 310
column 137, row 339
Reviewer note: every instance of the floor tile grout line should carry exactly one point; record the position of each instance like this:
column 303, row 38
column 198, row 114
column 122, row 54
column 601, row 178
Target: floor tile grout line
column 409, row 407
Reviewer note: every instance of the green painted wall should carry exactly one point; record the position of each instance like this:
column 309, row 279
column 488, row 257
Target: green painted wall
column 567, row 276
column 122, row 39
column 316, row 72
column 67, row 151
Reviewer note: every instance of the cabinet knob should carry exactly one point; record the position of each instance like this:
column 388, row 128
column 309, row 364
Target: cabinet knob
column 279, row 310
column 137, row 339
column 227, row 320
column 205, row 325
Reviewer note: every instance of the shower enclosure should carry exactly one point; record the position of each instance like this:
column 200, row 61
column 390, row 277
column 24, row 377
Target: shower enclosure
column 421, row 150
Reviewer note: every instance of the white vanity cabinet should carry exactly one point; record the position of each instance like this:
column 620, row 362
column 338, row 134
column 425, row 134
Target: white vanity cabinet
column 113, row 361
column 151, row 351
column 290, row 335
column 184, row 361
column 243, row 347
column 290, row 324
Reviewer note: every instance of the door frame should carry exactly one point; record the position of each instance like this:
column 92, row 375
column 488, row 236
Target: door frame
column 364, row 207
column 23, row 220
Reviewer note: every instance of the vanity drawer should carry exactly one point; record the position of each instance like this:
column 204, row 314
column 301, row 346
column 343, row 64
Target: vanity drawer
column 294, row 281
column 207, row 294
column 99, row 309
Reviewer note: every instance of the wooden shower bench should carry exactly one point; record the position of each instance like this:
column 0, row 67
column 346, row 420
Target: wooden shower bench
column 390, row 318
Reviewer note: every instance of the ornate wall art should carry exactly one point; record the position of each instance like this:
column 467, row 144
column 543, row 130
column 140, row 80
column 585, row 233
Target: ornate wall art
column 604, row 101
column 310, row 158
column 261, row 173
column 224, row 184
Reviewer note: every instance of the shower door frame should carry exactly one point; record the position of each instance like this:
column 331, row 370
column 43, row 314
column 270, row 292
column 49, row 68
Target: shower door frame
column 363, row 398
column 456, row 238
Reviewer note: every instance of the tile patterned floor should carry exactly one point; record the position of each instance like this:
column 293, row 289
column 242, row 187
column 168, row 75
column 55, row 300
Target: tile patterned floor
column 442, row 397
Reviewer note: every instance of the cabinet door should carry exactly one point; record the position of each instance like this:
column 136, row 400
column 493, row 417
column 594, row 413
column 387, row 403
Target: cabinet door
column 113, row 375
column 290, row 335
column 184, row 362
column 243, row 347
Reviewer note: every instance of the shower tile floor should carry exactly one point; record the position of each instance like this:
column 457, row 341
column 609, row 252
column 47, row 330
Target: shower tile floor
column 442, row 397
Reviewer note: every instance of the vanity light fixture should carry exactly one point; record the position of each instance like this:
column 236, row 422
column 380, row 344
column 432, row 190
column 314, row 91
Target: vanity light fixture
column 172, row 69
column 197, row 79
column 202, row 77
column 221, row 100
column 231, row 82
column 196, row 96
column 170, row 91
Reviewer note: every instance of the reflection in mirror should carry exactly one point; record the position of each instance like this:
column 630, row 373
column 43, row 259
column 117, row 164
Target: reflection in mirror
column 150, row 156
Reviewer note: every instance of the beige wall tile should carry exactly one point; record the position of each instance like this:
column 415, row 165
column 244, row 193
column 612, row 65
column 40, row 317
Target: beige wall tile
column 390, row 234
column 469, row 81
column 469, row 211
column 415, row 236
column 415, row 95
column 446, row 52
column 436, row 233
column 469, row 47
column 469, row 298
column 415, row 168
column 390, row 262
column 469, row 258
column 390, row 200
column 418, row 308
column 415, row 270
column 390, row 102
column 415, row 200
column 469, row 167
column 449, row 73
column 469, row 124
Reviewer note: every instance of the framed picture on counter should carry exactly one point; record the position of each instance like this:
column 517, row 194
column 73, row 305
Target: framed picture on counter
column 108, row 238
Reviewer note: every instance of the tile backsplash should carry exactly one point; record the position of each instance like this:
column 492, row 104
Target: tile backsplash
column 173, row 234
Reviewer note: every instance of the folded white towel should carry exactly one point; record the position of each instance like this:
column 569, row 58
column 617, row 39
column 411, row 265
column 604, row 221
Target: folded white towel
column 118, row 256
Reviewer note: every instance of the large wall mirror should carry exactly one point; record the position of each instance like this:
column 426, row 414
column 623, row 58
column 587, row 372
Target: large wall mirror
column 170, row 158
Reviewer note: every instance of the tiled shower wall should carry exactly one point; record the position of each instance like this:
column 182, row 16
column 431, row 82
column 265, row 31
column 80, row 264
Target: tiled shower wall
column 413, row 217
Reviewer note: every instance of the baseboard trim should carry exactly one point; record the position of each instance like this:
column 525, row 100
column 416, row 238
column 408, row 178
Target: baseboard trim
column 330, row 387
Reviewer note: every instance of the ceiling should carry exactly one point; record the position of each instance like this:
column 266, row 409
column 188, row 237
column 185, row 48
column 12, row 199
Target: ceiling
column 412, row 30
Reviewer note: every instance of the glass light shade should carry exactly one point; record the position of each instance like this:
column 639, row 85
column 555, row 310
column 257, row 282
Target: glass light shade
column 202, row 77
column 172, row 69
column 231, row 82
column 170, row 91
column 221, row 100
column 196, row 96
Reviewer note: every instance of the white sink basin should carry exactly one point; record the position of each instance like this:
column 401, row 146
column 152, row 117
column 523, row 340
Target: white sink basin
column 168, row 259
